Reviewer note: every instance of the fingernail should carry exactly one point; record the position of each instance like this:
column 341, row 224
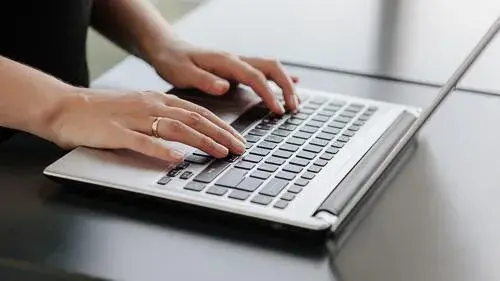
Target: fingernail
column 221, row 86
column 240, row 148
column 177, row 156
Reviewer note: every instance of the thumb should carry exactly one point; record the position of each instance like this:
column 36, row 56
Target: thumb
column 208, row 82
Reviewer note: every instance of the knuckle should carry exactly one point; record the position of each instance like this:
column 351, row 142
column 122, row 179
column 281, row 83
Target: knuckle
column 193, row 118
column 175, row 126
column 202, row 111
column 221, row 134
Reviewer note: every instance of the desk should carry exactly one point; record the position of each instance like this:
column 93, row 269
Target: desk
column 436, row 221
column 421, row 41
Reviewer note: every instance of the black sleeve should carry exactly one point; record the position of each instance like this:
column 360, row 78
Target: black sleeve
column 6, row 133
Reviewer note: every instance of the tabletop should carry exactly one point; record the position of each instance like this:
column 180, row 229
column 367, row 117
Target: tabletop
column 419, row 41
column 436, row 220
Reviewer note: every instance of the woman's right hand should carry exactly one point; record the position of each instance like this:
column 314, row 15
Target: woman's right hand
column 116, row 120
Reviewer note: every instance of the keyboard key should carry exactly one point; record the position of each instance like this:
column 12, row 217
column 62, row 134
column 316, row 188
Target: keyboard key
column 308, row 129
column 283, row 154
column 337, row 103
column 295, row 141
column 307, row 110
column 202, row 153
column 308, row 175
column 367, row 113
column 217, row 190
column 332, row 150
column 316, row 124
column 267, row 145
column 358, row 123
column 372, row 108
column 268, row 168
column 356, row 105
column 260, row 175
column 327, row 156
column 264, row 127
column 342, row 120
column 245, row 165
column 343, row 139
column 288, row 196
column 182, row 166
column 337, row 125
column 261, row 199
column 281, row 133
column 301, row 182
column 363, row 118
column 320, row 118
column 232, row 178
column 251, row 138
column 293, row 121
column 212, row 171
column 319, row 142
column 353, row 109
column 354, row 128
column 300, row 161
column 312, row 106
column 186, row 175
column 331, row 130
column 288, row 127
column 347, row 114
column 337, row 144
column 250, row 184
column 292, row 168
column 281, row 204
column 231, row 158
column 248, row 145
column 196, row 159
column 312, row 148
column 275, row 161
column 321, row 162
column 285, row 175
column 314, row 169
column 318, row 100
column 274, row 139
column 174, row 172
column 289, row 147
column 195, row 186
column 301, row 116
column 259, row 151
column 294, row 189
column 348, row 133
column 325, row 136
column 257, row 132
column 302, row 135
column 164, row 180
column 253, row 158
column 239, row 195
column 327, row 113
column 273, row 187
column 306, row 155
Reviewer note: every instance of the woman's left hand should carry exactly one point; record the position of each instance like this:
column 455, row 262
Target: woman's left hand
column 187, row 66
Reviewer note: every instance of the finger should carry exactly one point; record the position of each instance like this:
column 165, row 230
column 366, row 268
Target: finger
column 275, row 71
column 147, row 145
column 174, row 130
column 206, row 127
column 236, row 69
column 174, row 101
column 207, row 82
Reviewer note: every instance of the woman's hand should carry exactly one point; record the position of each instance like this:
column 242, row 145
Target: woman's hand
column 187, row 66
column 113, row 120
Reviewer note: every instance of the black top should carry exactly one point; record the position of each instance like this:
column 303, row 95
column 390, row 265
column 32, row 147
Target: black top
column 49, row 35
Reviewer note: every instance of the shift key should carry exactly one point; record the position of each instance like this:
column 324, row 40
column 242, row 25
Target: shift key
column 212, row 171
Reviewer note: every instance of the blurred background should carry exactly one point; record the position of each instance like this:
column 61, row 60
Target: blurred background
column 102, row 54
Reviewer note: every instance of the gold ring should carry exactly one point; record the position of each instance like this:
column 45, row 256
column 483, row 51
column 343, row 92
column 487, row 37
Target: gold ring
column 154, row 127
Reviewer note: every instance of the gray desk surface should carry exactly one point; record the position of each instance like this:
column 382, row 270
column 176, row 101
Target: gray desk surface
column 422, row 40
column 436, row 221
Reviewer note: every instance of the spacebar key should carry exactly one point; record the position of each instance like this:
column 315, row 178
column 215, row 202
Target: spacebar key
column 212, row 171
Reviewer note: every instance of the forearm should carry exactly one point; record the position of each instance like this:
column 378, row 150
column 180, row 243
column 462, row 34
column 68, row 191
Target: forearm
column 135, row 25
column 28, row 98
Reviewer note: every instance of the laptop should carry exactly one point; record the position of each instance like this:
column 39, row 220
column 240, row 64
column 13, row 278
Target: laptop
column 312, row 170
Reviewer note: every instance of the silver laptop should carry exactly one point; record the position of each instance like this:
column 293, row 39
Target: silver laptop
column 311, row 170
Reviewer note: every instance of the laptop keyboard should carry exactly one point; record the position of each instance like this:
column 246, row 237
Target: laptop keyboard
column 284, row 153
